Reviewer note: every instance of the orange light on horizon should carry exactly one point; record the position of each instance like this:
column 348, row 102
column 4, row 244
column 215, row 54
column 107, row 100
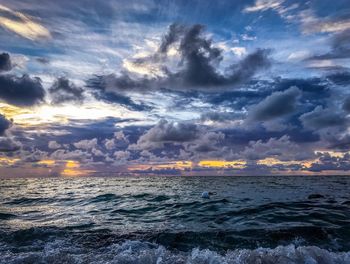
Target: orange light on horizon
column 47, row 162
column 72, row 169
column 273, row 161
column 235, row 164
column 180, row 165
column 8, row 161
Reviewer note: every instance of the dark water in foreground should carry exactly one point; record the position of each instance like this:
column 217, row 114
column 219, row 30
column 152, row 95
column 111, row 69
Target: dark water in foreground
column 165, row 220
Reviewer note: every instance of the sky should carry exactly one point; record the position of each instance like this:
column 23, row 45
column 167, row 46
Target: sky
column 174, row 87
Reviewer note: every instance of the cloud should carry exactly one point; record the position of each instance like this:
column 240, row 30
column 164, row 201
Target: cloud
column 119, row 140
column 220, row 116
column 121, row 156
column 340, row 47
column 312, row 24
column 62, row 154
column 166, row 132
column 64, row 91
column 312, row 87
column 263, row 5
column 5, row 62
column 276, row 105
column 282, row 149
column 197, row 67
column 86, row 144
column 346, row 105
column 179, row 141
column 110, row 144
column 54, row 145
column 21, row 91
column 206, row 142
column 199, row 57
column 103, row 88
column 327, row 162
column 4, row 124
column 239, row 51
column 322, row 118
column 202, row 59
column 22, row 24
column 9, row 144
column 340, row 78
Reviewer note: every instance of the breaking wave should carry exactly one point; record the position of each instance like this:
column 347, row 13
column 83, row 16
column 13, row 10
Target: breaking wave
column 133, row 251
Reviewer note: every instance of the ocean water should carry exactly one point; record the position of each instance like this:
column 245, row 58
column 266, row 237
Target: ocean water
column 165, row 220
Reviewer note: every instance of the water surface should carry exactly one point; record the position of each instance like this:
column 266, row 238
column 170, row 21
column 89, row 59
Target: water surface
column 165, row 220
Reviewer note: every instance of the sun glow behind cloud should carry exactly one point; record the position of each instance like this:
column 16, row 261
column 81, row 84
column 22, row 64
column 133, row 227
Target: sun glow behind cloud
column 22, row 25
column 236, row 164
column 178, row 165
column 72, row 169
column 46, row 114
column 5, row 161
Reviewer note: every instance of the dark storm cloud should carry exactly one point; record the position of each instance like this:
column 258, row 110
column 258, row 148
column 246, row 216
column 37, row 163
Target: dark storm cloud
column 199, row 60
column 220, row 116
column 340, row 47
column 21, row 91
column 64, row 91
column 173, row 35
column 4, row 124
column 5, row 62
column 322, row 118
column 199, row 57
column 99, row 87
column 276, row 105
column 250, row 65
column 346, row 105
column 340, row 78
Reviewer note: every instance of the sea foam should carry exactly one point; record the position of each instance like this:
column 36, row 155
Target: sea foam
column 62, row 251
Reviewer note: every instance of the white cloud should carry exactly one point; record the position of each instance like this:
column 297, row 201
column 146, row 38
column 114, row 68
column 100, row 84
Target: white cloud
column 247, row 37
column 86, row 144
column 53, row 145
column 263, row 5
column 239, row 51
column 22, row 25
column 312, row 24
column 299, row 55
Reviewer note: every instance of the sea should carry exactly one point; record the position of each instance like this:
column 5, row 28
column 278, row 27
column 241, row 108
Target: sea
column 258, row 220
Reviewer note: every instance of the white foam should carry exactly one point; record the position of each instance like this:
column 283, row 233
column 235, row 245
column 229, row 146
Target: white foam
column 60, row 251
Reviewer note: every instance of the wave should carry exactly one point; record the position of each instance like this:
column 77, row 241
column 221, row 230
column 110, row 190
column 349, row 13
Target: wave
column 133, row 251
column 335, row 239
column 104, row 198
column 6, row 216
column 36, row 201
